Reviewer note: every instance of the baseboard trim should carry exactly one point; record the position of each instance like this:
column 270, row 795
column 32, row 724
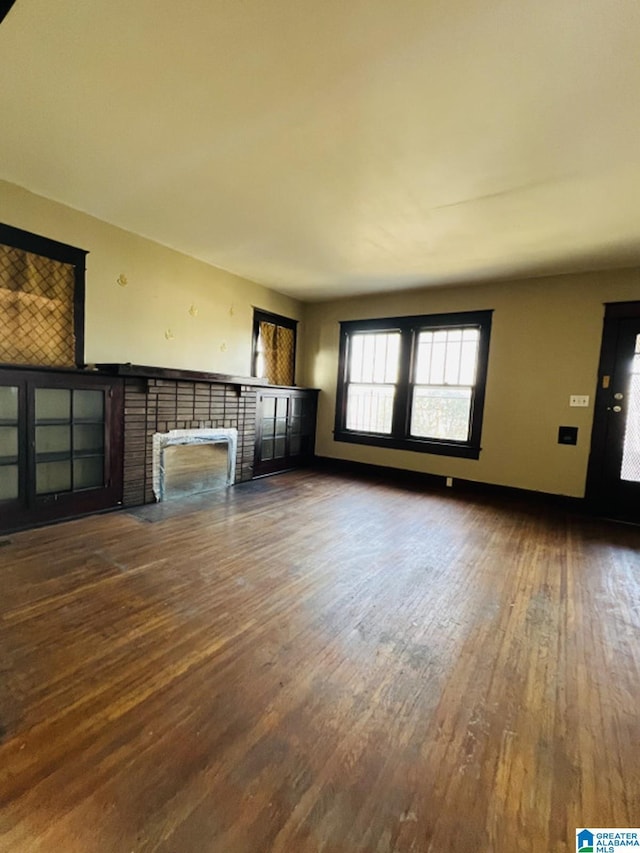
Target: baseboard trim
column 421, row 481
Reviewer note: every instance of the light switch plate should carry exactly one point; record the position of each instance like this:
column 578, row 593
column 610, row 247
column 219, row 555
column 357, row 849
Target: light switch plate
column 581, row 400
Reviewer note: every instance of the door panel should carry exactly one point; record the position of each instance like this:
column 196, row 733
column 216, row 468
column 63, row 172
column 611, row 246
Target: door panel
column 60, row 446
column 613, row 486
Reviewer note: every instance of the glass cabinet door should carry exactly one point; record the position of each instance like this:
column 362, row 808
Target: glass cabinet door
column 61, row 445
column 9, row 443
column 284, row 430
column 69, row 439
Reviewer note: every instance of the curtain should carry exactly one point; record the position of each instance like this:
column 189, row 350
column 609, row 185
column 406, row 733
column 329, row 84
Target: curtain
column 36, row 309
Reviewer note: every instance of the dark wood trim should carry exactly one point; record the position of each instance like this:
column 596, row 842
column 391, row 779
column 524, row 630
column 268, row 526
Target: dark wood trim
column 430, row 445
column 17, row 238
column 409, row 327
column 142, row 371
column 5, row 8
column 621, row 310
column 38, row 245
column 422, row 481
column 452, row 319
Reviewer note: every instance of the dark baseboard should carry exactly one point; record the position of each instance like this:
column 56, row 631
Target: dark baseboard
column 420, row 481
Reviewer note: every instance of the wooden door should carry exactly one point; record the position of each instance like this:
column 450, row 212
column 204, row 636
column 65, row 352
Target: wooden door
column 613, row 486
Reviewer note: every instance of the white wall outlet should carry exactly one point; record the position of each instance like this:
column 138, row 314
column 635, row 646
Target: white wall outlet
column 449, row 482
column 580, row 400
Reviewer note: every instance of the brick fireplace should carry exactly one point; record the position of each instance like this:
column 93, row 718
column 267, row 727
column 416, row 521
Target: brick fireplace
column 160, row 405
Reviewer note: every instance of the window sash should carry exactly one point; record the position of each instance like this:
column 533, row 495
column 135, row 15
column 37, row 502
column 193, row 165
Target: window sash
column 452, row 373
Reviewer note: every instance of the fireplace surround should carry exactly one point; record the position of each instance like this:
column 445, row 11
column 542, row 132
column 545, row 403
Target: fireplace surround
column 274, row 429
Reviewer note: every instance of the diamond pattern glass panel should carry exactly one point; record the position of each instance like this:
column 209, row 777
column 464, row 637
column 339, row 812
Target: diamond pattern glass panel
column 36, row 309
column 276, row 345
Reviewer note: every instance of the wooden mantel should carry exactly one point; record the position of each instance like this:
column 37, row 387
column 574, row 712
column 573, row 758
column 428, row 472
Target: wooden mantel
column 144, row 371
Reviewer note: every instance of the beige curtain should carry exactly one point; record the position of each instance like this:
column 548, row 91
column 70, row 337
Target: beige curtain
column 36, row 309
column 278, row 353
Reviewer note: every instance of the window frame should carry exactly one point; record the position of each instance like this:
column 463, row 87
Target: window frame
column 409, row 329
column 35, row 244
column 260, row 316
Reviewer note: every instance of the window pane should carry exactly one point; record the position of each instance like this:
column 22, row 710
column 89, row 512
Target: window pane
column 53, row 404
column 374, row 357
column 469, row 361
column 452, row 363
column 268, row 427
column 88, row 405
column 447, row 357
column 53, row 439
column 281, row 426
column 438, row 357
column 88, row 437
column 370, row 407
column 441, row 413
column 268, row 407
column 8, row 403
column 88, row 473
column 53, row 477
column 267, row 449
column 279, row 448
column 8, row 482
column 294, row 445
column 8, row 441
column 423, row 358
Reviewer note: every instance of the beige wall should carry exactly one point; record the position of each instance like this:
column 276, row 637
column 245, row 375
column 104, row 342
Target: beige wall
column 545, row 345
column 128, row 324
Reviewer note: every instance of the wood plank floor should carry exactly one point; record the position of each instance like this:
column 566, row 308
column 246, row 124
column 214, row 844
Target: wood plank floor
column 311, row 663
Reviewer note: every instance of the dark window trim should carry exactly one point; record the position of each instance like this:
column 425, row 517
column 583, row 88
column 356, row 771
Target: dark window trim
column 260, row 316
column 56, row 251
column 399, row 439
column 5, row 8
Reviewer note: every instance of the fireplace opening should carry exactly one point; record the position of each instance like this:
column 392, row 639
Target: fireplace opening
column 193, row 468
column 188, row 462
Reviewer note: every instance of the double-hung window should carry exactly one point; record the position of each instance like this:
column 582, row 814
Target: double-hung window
column 415, row 383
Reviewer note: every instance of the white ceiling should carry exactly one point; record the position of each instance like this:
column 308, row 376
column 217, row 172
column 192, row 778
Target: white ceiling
column 337, row 146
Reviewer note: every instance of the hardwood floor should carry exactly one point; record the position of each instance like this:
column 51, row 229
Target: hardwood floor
column 308, row 663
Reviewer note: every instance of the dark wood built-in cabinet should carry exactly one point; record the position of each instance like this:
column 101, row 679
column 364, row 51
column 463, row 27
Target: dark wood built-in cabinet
column 285, row 429
column 73, row 442
column 60, row 445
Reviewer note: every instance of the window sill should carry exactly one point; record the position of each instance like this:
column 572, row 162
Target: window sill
column 439, row 448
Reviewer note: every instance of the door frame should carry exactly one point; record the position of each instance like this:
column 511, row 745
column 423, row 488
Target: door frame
column 595, row 493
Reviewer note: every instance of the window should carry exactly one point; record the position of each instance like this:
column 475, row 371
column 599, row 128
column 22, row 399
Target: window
column 274, row 348
column 41, row 300
column 415, row 383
